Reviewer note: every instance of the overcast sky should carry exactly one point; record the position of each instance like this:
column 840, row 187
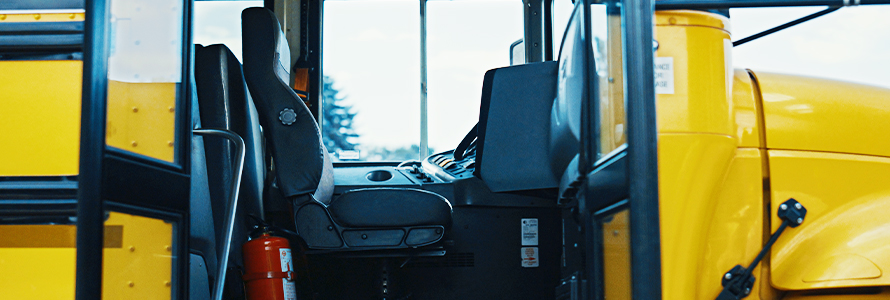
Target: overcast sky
column 371, row 50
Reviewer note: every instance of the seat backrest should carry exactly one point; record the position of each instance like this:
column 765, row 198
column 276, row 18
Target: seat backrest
column 225, row 104
column 301, row 161
column 513, row 150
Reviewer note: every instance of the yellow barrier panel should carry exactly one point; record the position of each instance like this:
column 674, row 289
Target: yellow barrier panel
column 38, row 261
column 40, row 112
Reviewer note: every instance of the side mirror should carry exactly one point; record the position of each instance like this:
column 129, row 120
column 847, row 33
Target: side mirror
column 517, row 53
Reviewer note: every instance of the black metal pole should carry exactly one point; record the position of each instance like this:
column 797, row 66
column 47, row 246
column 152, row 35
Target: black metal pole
column 90, row 215
column 534, row 30
column 642, row 148
column 786, row 25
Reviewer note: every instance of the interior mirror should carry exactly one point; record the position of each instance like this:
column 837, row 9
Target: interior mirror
column 517, row 53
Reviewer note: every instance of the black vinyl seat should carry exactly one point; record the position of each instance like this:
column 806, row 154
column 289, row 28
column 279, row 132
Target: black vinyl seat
column 391, row 218
column 223, row 103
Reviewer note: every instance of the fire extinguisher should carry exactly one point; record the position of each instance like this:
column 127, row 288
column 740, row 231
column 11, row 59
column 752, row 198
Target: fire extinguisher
column 269, row 268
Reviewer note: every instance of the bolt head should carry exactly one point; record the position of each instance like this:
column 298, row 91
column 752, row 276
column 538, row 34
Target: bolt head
column 727, row 276
column 798, row 206
column 799, row 220
column 783, row 207
column 747, row 291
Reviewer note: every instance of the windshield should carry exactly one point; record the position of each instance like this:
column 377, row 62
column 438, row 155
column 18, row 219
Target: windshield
column 372, row 72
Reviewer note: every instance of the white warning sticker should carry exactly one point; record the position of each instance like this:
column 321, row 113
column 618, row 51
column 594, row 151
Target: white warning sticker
column 530, row 257
column 287, row 266
column 290, row 290
column 664, row 75
column 529, row 232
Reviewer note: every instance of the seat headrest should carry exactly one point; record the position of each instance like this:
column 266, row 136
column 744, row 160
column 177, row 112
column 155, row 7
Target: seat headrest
column 266, row 36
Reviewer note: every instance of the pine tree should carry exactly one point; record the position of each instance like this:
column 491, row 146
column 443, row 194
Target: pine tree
column 338, row 133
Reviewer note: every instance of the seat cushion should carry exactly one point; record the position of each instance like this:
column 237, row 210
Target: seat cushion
column 390, row 207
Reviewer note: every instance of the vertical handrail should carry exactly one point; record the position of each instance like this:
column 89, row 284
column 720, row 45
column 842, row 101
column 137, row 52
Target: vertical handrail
column 642, row 148
column 232, row 205
column 424, row 137
column 90, row 215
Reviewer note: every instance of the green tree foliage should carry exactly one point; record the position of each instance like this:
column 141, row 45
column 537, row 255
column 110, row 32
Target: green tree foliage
column 338, row 133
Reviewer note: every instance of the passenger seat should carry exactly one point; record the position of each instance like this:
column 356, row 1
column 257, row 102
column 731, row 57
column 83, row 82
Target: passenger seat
column 366, row 219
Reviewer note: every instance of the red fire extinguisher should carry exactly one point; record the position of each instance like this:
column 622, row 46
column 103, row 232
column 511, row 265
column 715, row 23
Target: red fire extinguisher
column 269, row 268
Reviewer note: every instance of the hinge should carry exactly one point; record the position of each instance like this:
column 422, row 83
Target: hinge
column 738, row 282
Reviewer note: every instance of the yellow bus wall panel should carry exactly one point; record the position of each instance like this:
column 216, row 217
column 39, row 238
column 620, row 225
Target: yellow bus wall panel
column 38, row 261
column 747, row 111
column 857, row 294
column 698, row 44
column 843, row 242
column 141, row 118
column 711, row 199
column 803, row 113
column 616, row 256
column 40, row 112
column 55, row 17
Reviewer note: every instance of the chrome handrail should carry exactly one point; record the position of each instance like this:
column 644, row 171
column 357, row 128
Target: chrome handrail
column 232, row 204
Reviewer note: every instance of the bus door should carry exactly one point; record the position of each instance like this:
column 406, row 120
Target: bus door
column 613, row 221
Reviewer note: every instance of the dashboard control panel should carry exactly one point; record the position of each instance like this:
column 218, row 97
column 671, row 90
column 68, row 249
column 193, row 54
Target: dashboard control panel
column 445, row 167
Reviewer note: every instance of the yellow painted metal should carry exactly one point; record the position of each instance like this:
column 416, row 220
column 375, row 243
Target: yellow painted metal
column 711, row 192
column 37, row 272
column 843, row 241
column 691, row 169
column 616, row 256
column 804, row 113
column 38, row 261
column 860, row 294
column 735, row 233
column 63, row 17
column 691, row 18
column 700, row 46
column 142, row 267
column 40, row 112
column 745, row 100
column 141, row 118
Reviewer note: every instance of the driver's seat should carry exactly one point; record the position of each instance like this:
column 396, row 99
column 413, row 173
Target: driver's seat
column 379, row 218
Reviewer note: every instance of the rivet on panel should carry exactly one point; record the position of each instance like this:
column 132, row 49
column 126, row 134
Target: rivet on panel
column 168, row 248
column 169, row 143
column 36, row 16
column 71, row 16
column 2, row 17
column 167, row 283
column 171, row 109
column 135, row 109
column 132, row 249
column 134, row 143
column 672, row 21
column 130, row 284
